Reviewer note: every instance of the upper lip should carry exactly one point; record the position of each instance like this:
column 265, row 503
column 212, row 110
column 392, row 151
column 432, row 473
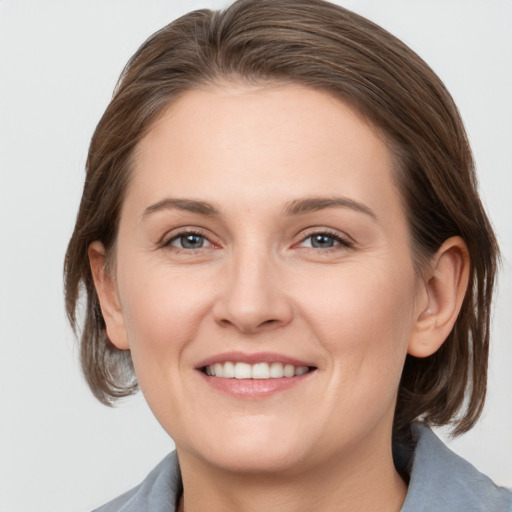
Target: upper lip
column 257, row 357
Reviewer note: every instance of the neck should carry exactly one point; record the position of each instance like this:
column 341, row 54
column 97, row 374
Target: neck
column 362, row 481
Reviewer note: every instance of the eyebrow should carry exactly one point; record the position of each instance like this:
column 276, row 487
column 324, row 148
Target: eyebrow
column 189, row 205
column 311, row 204
column 295, row 207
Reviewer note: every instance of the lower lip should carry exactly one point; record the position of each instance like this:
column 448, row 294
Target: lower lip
column 254, row 388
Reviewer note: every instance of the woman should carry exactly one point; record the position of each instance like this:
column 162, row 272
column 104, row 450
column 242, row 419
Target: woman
column 280, row 237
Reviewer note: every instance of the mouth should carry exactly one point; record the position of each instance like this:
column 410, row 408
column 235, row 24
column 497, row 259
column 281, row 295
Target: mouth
column 254, row 376
column 258, row 371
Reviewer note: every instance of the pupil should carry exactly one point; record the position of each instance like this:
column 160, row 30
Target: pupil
column 322, row 241
column 192, row 241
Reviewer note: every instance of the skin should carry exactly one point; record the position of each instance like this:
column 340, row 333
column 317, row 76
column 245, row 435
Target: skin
column 353, row 310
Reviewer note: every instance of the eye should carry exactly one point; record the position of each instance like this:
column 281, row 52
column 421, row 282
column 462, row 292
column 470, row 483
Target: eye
column 325, row 241
column 189, row 241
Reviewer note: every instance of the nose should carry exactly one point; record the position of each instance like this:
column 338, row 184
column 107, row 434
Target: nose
column 253, row 298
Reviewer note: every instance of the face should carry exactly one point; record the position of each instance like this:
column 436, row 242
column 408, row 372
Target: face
column 262, row 235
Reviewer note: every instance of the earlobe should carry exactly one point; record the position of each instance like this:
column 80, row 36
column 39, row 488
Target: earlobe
column 445, row 288
column 107, row 293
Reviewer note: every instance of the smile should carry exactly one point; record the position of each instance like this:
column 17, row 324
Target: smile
column 254, row 376
column 263, row 370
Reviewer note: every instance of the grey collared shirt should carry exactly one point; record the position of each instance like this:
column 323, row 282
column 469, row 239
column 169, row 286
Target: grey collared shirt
column 440, row 481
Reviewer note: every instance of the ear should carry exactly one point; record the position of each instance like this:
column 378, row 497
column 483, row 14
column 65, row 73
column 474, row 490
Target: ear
column 445, row 286
column 108, row 296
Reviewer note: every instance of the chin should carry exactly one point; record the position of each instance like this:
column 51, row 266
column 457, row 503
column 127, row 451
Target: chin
column 258, row 448
column 249, row 460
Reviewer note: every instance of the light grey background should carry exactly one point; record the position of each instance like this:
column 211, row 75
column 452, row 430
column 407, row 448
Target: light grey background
column 59, row 60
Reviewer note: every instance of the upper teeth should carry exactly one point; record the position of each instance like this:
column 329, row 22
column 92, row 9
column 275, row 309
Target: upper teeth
column 230, row 370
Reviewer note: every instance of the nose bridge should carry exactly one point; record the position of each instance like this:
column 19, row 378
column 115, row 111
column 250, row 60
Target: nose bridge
column 253, row 298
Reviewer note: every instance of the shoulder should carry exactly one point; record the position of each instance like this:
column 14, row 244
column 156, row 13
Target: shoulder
column 441, row 480
column 159, row 491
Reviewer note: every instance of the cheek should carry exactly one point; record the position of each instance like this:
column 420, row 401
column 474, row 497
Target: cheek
column 162, row 312
column 365, row 320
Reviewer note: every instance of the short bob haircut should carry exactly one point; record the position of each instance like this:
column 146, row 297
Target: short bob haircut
column 327, row 48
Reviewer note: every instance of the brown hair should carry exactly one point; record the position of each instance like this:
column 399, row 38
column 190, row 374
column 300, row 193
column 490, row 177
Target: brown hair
column 326, row 47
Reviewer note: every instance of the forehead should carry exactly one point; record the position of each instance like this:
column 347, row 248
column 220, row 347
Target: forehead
column 274, row 141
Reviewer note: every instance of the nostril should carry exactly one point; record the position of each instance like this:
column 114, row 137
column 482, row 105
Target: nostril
column 249, row 326
column 224, row 322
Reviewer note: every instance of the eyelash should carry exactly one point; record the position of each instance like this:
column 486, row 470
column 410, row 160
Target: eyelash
column 342, row 241
column 182, row 234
